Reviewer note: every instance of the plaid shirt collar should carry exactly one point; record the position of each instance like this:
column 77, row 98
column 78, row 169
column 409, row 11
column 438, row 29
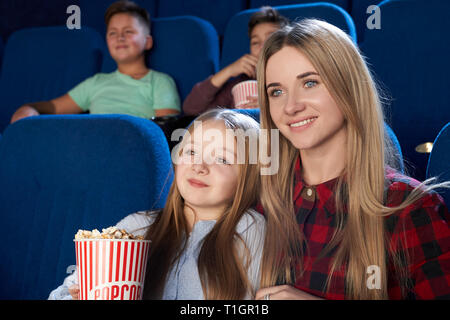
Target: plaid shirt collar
column 323, row 192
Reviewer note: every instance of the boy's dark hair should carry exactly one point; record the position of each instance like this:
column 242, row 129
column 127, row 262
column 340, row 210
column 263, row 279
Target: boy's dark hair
column 131, row 8
column 266, row 14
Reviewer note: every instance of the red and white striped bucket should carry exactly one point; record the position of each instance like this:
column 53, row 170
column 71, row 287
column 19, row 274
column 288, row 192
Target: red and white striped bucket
column 111, row 269
column 243, row 90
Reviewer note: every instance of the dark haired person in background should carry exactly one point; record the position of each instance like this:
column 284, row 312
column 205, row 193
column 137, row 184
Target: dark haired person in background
column 216, row 89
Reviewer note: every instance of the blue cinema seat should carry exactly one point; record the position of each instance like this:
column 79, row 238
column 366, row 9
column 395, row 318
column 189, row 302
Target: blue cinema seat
column 44, row 63
column 1, row 52
column 344, row 4
column 217, row 12
column 395, row 144
column 236, row 40
column 358, row 11
column 439, row 161
column 254, row 113
column 186, row 48
column 59, row 174
column 409, row 56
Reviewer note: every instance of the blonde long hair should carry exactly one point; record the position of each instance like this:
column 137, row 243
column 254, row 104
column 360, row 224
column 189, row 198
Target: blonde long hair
column 360, row 236
column 223, row 272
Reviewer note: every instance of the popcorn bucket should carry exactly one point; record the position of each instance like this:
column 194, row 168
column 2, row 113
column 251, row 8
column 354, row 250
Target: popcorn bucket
column 111, row 269
column 242, row 90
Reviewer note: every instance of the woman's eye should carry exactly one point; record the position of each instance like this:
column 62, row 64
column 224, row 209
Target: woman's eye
column 310, row 83
column 275, row 92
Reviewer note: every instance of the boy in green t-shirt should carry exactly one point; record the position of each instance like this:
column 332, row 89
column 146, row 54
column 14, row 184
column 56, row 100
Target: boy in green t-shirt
column 132, row 89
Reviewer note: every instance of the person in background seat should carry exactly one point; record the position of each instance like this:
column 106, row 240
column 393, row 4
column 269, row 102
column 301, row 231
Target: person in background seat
column 132, row 89
column 216, row 89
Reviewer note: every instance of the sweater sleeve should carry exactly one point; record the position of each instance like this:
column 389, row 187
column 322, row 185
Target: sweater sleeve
column 201, row 97
column 205, row 96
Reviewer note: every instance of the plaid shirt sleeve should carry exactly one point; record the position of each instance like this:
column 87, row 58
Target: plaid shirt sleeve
column 423, row 229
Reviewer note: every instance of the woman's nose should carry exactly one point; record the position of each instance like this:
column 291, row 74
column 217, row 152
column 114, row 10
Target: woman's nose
column 294, row 103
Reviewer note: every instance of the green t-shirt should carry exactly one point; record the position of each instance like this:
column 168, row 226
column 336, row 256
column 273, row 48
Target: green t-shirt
column 116, row 92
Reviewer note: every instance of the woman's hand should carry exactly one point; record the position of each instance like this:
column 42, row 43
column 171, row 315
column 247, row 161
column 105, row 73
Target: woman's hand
column 74, row 290
column 284, row 292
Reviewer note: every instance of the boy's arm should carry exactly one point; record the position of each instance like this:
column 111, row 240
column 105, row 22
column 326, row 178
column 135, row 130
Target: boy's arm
column 165, row 112
column 166, row 100
column 61, row 105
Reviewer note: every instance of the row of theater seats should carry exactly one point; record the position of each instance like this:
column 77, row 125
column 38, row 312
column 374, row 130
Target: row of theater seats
column 217, row 12
column 186, row 47
column 59, row 174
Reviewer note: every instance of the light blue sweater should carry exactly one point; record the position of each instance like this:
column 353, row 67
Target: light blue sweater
column 183, row 281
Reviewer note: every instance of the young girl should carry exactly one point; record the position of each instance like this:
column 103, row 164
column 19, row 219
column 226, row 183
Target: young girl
column 341, row 223
column 206, row 242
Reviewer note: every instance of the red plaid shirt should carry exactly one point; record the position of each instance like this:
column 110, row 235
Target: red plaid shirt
column 427, row 239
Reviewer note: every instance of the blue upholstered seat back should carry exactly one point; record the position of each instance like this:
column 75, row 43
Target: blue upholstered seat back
column 44, row 63
column 345, row 4
column 217, row 12
column 186, row 48
column 439, row 162
column 1, row 52
column 409, row 55
column 59, row 174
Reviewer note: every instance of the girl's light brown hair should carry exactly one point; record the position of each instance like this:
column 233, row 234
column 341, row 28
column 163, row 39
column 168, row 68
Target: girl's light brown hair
column 360, row 236
column 222, row 268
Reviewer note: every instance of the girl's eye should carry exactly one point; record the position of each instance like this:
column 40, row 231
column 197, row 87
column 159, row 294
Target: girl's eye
column 189, row 152
column 275, row 92
column 310, row 83
column 222, row 161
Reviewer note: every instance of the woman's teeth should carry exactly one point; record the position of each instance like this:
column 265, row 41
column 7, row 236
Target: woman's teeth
column 302, row 123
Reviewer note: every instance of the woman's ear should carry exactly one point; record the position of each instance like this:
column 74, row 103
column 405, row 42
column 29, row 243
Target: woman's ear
column 148, row 42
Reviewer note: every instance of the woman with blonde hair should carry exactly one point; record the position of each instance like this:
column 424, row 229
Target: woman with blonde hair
column 341, row 222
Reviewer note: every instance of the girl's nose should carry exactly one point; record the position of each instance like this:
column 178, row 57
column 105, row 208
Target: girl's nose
column 200, row 168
